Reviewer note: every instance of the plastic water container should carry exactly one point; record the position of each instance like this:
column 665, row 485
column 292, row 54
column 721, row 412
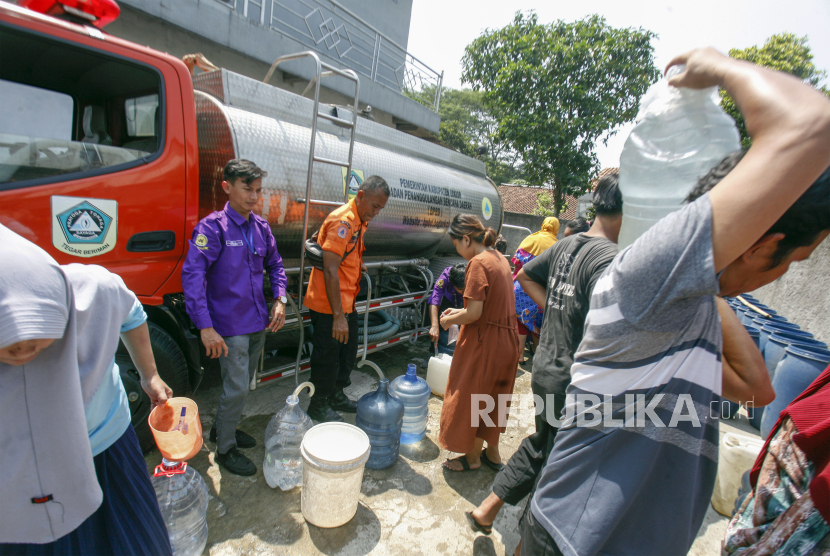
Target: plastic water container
column 796, row 371
column 438, row 372
column 183, row 499
column 413, row 391
column 768, row 328
column 178, row 435
column 380, row 416
column 737, row 455
column 680, row 135
column 729, row 409
column 777, row 344
column 749, row 315
column 283, row 464
column 334, row 456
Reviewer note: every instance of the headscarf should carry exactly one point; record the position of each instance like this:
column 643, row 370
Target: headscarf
column 49, row 486
column 537, row 243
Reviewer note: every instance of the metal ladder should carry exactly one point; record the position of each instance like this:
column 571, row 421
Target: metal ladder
column 312, row 158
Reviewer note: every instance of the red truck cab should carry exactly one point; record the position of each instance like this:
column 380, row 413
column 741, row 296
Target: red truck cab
column 99, row 163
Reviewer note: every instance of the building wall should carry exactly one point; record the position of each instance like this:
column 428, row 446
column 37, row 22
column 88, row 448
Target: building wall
column 802, row 295
column 529, row 221
column 243, row 45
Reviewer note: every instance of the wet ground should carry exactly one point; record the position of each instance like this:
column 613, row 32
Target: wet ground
column 415, row 507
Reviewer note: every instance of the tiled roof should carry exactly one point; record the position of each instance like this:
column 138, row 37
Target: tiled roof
column 522, row 199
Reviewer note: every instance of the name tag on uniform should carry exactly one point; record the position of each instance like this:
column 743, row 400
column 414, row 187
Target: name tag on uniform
column 235, row 243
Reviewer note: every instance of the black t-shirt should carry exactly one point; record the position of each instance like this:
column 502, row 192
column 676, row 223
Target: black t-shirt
column 568, row 270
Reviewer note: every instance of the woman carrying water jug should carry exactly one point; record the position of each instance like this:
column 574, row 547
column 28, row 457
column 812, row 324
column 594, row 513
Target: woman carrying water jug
column 487, row 353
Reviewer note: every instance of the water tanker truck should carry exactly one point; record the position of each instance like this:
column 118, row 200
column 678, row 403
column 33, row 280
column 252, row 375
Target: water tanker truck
column 111, row 152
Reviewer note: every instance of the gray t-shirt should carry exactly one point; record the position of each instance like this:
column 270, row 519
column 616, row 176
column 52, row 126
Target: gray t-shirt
column 568, row 270
column 639, row 481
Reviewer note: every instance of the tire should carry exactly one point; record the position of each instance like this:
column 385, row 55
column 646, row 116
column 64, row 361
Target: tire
column 170, row 361
column 172, row 368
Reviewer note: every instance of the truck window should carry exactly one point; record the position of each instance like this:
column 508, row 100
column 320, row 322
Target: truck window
column 68, row 111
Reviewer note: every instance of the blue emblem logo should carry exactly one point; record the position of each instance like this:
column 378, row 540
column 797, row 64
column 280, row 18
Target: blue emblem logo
column 84, row 223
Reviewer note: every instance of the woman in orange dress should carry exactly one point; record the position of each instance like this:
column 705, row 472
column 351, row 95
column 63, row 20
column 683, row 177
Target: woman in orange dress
column 487, row 353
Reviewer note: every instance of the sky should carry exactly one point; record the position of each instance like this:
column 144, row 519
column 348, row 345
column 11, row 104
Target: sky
column 440, row 29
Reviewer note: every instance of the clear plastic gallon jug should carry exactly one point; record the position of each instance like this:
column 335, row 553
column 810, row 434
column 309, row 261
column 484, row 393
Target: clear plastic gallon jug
column 380, row 416
column 737, row 455
column 680, row 135
column 413, row 391
column 438, row 372
column 283, row 464
column 183, row 499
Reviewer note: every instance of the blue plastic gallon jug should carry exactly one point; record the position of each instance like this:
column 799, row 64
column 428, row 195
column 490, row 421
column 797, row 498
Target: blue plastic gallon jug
column 414, row 392
column 380, row 416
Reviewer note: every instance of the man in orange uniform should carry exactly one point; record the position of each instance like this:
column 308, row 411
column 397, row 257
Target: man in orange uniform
column 331, row 297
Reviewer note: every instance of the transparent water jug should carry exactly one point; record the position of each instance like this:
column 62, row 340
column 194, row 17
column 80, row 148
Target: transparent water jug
column 679, row 136
column 414, row 392
column 183, row 499
column 283, row 464
column 380, row 416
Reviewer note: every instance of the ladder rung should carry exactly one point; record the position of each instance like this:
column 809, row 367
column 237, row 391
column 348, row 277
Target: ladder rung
column 330, row 161
column 337, row 121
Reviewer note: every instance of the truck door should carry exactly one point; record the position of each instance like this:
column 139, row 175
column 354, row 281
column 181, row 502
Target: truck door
column 92, row 162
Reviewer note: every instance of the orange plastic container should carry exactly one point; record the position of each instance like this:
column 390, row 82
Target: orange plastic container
column 173, row 444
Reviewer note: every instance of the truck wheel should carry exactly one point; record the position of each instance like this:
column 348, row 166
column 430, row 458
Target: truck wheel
column 138, row 399
column 170, row 361
column 172, row 368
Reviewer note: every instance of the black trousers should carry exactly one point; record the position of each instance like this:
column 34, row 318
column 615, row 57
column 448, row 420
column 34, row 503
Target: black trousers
column 519, row 476
column 331, row 361
column 536, row 541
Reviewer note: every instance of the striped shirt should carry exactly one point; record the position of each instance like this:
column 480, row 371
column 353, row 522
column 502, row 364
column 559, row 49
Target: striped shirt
column 634, row 465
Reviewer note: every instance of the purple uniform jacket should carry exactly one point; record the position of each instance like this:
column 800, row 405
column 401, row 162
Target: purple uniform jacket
column 222, row 275
column 443, row 289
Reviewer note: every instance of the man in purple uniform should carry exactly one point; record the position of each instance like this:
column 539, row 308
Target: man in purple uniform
column 222, row 279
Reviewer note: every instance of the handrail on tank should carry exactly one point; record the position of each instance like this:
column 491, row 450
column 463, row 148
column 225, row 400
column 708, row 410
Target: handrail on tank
column 331, row 70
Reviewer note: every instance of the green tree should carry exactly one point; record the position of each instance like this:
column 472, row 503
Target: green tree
column 545, row 204
column 467, row 122
column 784, row 52
column 557, row 89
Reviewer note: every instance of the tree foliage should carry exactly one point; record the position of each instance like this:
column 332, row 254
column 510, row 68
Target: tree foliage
column 557, row 89
column 784, row 52
column 467, row 122
column 545, row 204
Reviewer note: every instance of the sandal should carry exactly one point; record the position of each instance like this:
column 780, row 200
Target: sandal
column 464, row 464
column 490, row 463
column 476, row 526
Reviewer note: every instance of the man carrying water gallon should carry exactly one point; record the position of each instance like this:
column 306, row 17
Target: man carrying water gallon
column 222, row 279
column 634, row 464
column 331, row 298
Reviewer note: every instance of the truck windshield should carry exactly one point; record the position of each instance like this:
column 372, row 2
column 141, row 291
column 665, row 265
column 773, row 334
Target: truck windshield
column 70, row 110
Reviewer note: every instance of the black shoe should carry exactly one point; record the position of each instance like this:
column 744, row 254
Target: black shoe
column 339, row 401
column 243, row 439
column 323, row 413
column 236, row 463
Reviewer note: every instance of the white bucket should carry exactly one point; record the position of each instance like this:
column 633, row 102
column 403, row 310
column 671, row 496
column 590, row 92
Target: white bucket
column 736, row 456
column 438, row 372
column 334, row 455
